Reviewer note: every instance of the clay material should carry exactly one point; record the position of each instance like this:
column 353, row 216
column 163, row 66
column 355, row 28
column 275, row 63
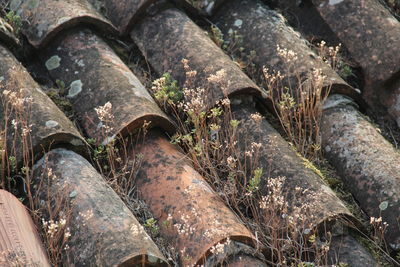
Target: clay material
column 96, row 75
column 103, row 230
column 45, row 125
column 123, row 14
column 193, row 217
column 20, row 244
column 170, row 36
column 46, row 18
column 262, row 30
column 368, row 163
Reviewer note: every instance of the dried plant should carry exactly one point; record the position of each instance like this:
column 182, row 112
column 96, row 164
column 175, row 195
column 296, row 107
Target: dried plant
column 210, row 139
column 298, row 101
column 50, row 212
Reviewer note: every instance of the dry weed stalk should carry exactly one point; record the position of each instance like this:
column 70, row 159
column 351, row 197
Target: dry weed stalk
column 298, row 102
column 51, row 213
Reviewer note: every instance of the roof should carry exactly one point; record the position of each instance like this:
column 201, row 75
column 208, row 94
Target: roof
column 68, row 40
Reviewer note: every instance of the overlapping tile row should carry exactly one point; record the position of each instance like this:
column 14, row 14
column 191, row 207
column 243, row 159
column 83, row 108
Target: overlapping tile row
column 123, row 14
column 24, row 99
column 170, row 36
column 103, row 230
column 372, row 36
column 81, row 56
column 265, row 31
column 368, row 163
column 365, row 160
column 19, row 240
column 43, row 19
column 111, row 235
column 167, row 182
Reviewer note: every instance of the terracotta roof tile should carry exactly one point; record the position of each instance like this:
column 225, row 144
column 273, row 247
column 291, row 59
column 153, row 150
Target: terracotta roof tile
column 104, row 231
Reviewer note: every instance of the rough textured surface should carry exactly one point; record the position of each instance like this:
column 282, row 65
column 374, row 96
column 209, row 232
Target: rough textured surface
column 170, row 185
column 372, row 36
column 96, row 75
column 170, row 36
column 20, row 243
column 368, row 163
column 123, row 14
column 262, row 30
column 103, row 230
column 370, row 33
column 49, row 127
column 45, row 18
column 304, row 16
column 345, row 249
column 303, row 187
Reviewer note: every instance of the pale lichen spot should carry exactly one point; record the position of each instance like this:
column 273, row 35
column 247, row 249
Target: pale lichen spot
column 238, row 23
column 336, row 100
column 53, row 62
column 75, row 88
column 63, row 20
column 335, row 2
column 152, row 258
column 108, row 140
column 14, row 5
column 80, row 63
column 137, row 88
column 76, row 142
column 1, row 78
column 384, row 205
column 210, row 7
column 51, row 124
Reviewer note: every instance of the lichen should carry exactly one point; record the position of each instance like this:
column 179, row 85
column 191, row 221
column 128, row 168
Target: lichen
column 53, row 62
column 75, row 88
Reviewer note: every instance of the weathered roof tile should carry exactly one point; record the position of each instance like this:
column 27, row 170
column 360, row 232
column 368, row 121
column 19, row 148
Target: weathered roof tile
column 43, row 19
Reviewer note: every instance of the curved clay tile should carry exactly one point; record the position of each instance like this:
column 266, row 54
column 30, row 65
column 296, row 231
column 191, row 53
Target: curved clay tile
column 170, row 36
column 171, row 187
column 346, row 249
column 372, row 36
column 20, row 244
column 368, row 163
column 49, row 127
column 351, row 143
column 80, row 56
column 43, row 19
column 370, row 33
column 123, row 14
column 262, row 30
column 196, row 217
column 103, row 230
column 302, row 186
column 175, row 37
